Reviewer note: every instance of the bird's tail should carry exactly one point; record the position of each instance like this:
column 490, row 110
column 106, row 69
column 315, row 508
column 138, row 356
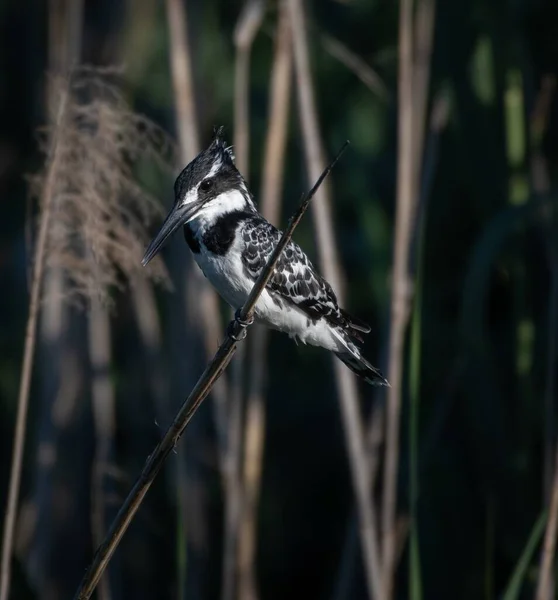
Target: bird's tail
column 351, row 356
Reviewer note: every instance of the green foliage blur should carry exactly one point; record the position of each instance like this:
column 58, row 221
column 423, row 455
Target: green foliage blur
column 486, row 260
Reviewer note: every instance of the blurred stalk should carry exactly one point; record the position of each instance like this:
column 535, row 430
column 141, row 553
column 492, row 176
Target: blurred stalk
column 104, row 419
column 401, row 290
column 247, row 26
column 202, row 303
column 423, row 40
column 246, row 29
column 327, row 252
column 202, row 318
column 138, row 38
column 150, row 332
column 270, row 194
column 39, row 259
column 65, row 32
column 182, row 80
column 415, row 38
column 356, row 65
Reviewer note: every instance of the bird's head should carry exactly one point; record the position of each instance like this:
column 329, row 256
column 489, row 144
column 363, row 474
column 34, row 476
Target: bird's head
column 206, row 188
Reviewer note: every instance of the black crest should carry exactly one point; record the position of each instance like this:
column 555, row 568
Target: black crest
column 216, row 153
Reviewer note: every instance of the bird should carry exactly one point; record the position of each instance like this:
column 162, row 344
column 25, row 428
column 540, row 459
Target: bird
column 231, row 243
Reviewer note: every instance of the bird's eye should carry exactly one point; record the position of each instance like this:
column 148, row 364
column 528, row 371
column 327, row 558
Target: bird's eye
column 206, row 185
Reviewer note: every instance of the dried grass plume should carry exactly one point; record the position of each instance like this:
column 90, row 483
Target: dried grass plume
column 100, row 211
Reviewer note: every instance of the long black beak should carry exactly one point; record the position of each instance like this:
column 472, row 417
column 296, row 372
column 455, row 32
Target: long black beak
column 178, row 216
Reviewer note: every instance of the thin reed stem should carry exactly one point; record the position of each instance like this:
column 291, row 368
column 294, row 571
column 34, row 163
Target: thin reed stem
column 182, row 79
column 245, row 32
column 415, row 38
column 270, row 197
column 104, row 416
column 329, row 262
column 246, row 29
column 29, row 353
column 401, row 290
column 206, row 308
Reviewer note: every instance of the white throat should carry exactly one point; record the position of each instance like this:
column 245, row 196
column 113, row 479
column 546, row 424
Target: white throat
column 224, row 203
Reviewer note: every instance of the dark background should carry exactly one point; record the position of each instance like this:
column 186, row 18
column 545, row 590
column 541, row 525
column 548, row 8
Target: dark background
column 486, row 264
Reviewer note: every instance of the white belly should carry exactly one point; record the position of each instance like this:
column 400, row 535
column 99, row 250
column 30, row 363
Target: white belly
column 227, row 276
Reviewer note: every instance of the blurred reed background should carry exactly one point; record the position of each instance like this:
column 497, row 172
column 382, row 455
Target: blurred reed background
column 438, row 227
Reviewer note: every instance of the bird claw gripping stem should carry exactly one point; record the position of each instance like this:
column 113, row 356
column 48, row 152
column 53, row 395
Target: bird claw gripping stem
column 242, row 324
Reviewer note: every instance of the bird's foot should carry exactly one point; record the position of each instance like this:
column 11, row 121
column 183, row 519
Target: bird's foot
column 243, row 324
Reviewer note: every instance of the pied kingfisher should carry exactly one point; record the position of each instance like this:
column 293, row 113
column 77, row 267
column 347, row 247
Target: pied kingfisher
column 231, row 243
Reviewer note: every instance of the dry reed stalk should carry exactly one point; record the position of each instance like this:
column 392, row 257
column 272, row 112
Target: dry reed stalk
column 202, row 388
column 413, row 84
column 246, row 29
column 149, row 328
column 346, row 385
column 204, row 309
column 272, row 180
column 29, row 350
column 104, row 421
column 182, row 80
column 64, row 45
column 188, row 136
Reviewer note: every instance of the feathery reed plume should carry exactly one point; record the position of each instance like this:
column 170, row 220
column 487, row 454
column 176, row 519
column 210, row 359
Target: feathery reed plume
column 413, row 84
column 346, row 385
column 102, row 214
column 202, row 388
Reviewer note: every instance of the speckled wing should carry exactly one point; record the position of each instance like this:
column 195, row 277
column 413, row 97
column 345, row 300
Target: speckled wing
column 294, row 278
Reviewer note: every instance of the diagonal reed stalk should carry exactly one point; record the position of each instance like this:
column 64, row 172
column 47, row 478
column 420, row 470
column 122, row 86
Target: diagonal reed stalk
column 29, row 351
column 202, row 388
column 346, row 386
column 246, row 29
